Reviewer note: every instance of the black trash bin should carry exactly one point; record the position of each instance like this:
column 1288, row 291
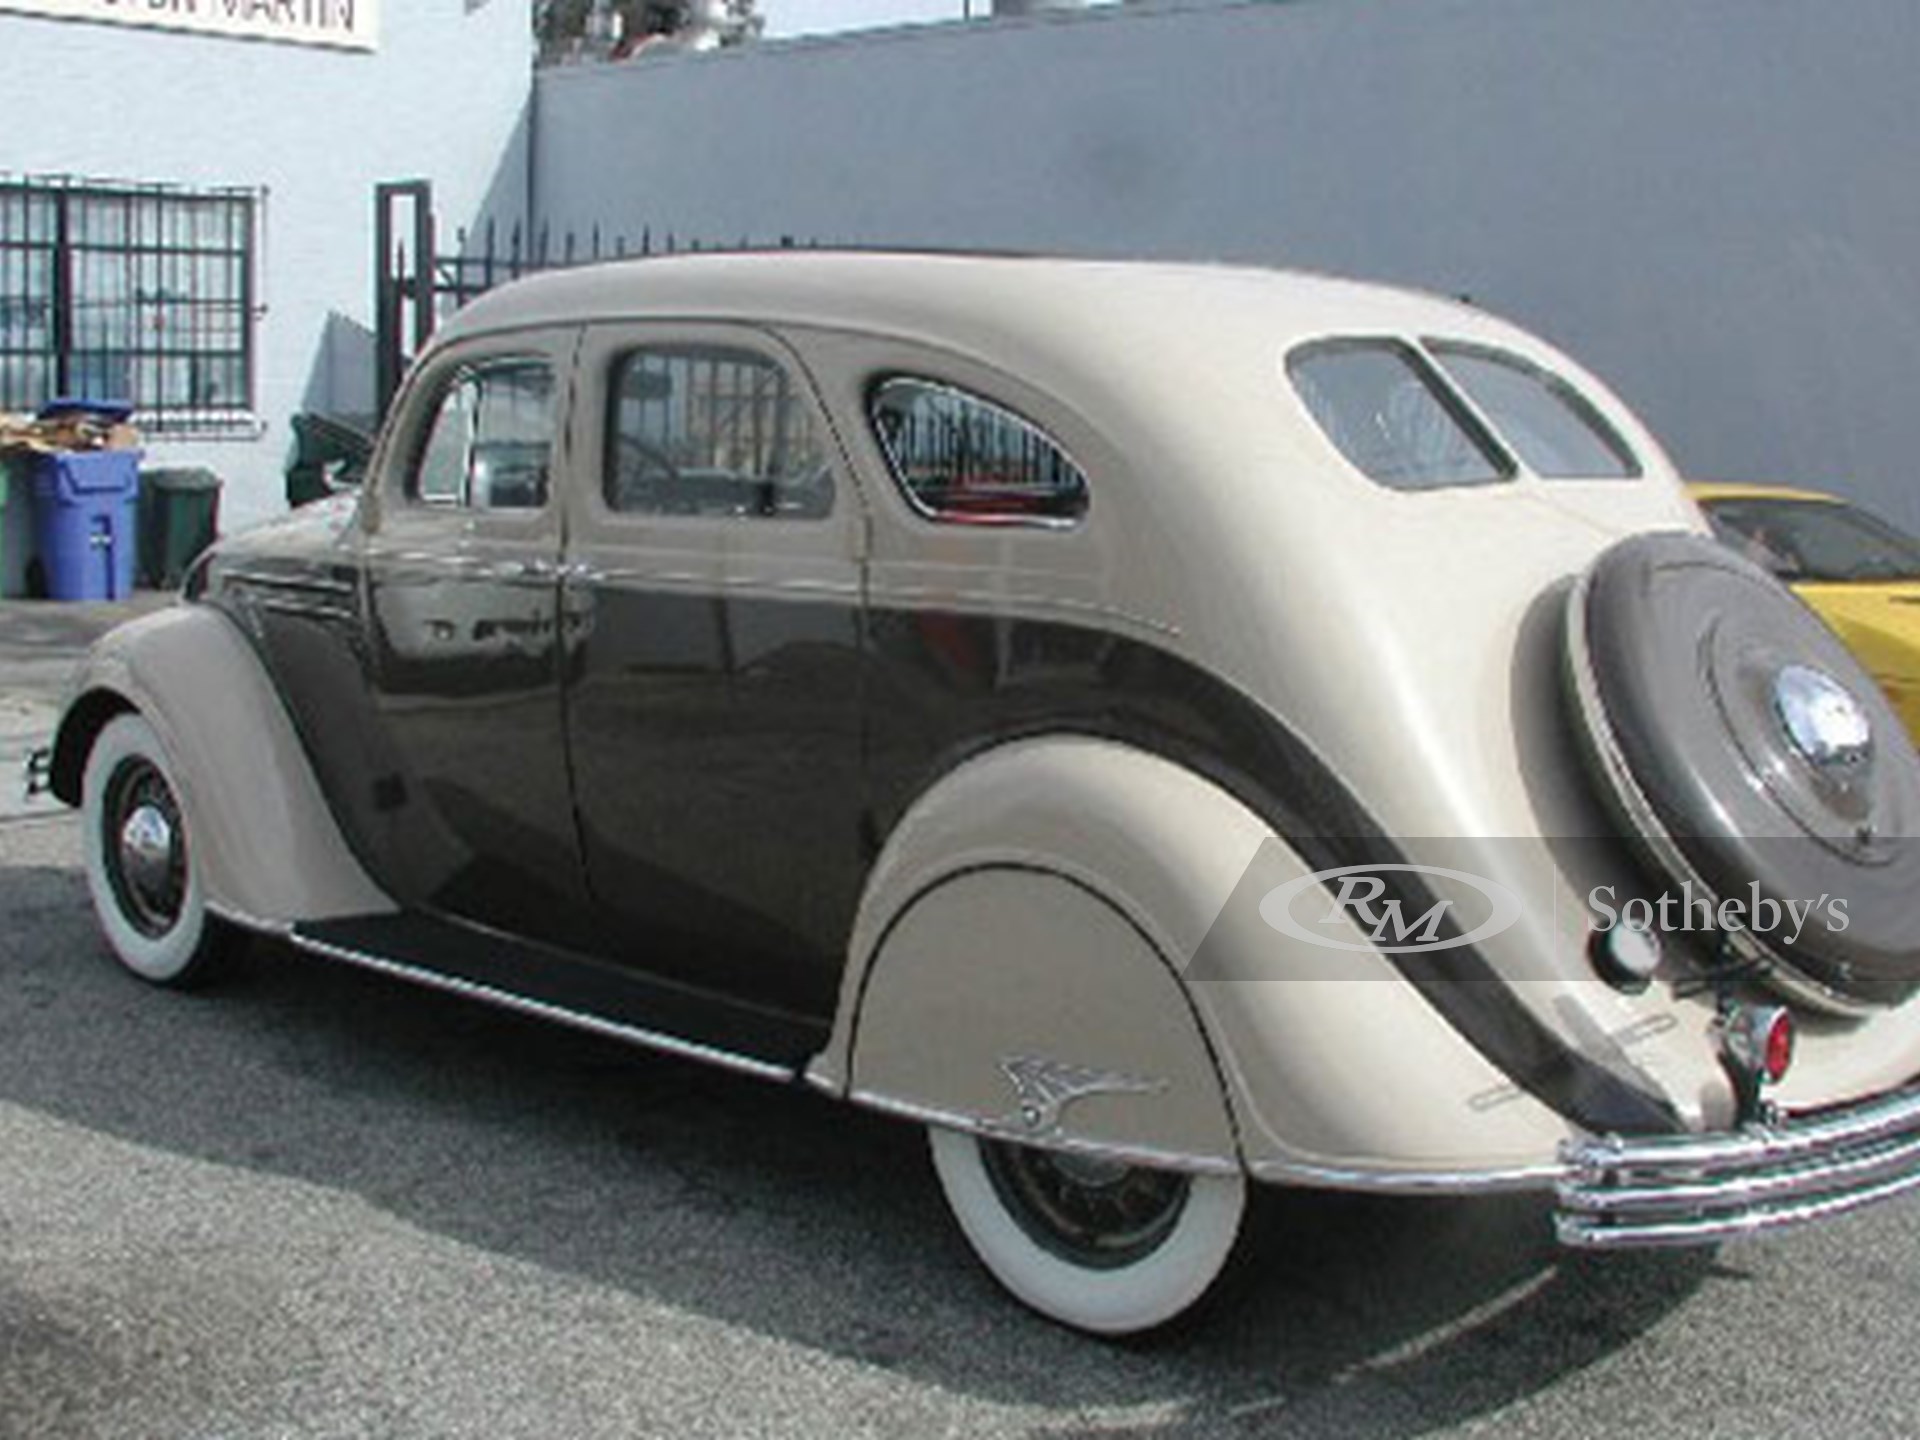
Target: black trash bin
column 179, row 518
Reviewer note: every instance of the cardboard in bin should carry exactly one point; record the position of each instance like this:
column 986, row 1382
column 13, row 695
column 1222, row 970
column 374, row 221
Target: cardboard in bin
column 70, row 429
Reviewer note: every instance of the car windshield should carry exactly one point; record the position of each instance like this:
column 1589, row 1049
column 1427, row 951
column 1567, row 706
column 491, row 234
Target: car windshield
column 1816, row 539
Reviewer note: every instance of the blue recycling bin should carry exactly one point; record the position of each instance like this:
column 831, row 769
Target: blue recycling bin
column 84, row 522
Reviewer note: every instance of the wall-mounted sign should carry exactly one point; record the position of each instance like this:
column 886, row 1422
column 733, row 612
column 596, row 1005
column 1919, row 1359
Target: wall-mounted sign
column 351, row 24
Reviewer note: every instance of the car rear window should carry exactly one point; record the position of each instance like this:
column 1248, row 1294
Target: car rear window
column 1552, row 427
column 1392, row 417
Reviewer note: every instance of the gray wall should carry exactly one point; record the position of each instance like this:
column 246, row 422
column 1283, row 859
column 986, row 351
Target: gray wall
column 445, row 96
column 1715, row 203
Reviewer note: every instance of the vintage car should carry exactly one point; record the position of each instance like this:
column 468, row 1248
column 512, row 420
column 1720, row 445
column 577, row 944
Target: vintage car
column 1858, row 572
column 1162, row 728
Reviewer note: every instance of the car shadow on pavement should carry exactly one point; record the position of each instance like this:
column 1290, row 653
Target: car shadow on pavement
column 772, row 1209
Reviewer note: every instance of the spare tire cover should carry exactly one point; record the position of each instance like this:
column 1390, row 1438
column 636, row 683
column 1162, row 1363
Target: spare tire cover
column 1746, row 746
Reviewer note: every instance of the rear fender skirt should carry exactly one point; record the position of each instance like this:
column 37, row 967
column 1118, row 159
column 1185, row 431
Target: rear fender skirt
column 1126, row 860
column 945, row 699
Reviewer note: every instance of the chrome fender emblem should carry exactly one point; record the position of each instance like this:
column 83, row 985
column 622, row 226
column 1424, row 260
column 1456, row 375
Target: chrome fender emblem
column 1047, row 1087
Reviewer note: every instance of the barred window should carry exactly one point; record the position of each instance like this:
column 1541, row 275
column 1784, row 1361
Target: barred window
column 140, row 293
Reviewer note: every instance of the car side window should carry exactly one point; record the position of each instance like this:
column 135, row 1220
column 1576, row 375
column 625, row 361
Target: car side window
column 963, row 459
column 491, row 442
column 716, row 431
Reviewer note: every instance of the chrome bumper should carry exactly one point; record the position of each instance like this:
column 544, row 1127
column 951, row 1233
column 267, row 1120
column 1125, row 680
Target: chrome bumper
column 1620, row 1192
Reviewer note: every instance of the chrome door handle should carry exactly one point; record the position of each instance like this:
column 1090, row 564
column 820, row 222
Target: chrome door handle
column 527, row 570
column 576, row 573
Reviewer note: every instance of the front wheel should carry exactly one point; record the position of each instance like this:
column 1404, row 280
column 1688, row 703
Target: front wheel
column 1096, row 1244
column 140, row 868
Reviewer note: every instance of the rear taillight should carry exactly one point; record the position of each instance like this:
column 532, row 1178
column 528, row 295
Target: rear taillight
column 1779, row 1047
column 1756, row 1043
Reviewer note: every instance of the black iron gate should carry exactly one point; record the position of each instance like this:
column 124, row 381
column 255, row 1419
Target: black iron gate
column 415, row 285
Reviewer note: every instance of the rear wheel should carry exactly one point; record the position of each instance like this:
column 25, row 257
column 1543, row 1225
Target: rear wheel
column 140, row 867
column 1096, row 1244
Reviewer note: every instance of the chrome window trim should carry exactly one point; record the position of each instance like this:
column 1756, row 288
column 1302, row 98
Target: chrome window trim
column 752, row 343
column 419, row 427
column 1437, row 347
column 1479, row 432
column 988, row 521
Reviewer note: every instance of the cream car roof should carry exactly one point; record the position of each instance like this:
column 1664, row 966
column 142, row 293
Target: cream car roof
column 995, row 308
column 1120, row 341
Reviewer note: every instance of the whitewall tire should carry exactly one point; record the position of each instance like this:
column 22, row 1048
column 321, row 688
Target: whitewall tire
column 1100, row 1246
column 146, row 888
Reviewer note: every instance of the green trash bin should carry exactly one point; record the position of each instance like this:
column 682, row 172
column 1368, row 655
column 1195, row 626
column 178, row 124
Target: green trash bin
column 16, row 530
column 179, row 517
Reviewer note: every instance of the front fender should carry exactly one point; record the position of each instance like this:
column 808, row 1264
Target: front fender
column 1046, row 900
column 270, row 852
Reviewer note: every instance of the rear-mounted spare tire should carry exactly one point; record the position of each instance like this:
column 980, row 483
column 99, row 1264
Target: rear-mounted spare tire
column 1742, row 745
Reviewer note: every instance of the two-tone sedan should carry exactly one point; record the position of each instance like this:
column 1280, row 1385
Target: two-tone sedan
column 1164, row 729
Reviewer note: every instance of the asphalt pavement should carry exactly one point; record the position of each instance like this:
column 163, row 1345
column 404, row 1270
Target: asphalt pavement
column 313, row 1202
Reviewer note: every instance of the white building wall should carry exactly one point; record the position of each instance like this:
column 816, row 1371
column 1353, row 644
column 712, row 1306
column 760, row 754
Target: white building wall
column 444, row 97
column 1713, row 202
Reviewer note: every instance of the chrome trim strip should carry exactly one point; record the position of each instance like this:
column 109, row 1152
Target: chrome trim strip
column 1620, row 1192
column 1494, row 1180
column 269, row 580
column 305, row 609
column 992, row 1129
column 1752, row 1189
column 540, row 1009
column 1708, row 1229
column 1809, row 1136
column 826, row 1084
column 276, row 929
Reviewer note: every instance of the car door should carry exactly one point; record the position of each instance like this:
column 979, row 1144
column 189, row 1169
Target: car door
column 462, row 561
column 713, row 694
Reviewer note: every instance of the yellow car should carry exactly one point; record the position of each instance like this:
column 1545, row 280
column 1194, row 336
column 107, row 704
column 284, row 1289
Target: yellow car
column 1859, row 573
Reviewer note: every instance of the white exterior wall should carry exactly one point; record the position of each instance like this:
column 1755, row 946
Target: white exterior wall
column 1712, row 202
column 444, row 97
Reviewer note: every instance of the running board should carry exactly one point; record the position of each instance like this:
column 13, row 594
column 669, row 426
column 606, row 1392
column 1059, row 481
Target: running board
column 568, row 990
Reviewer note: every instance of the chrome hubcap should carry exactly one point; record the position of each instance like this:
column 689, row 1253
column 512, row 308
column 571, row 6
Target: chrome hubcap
column 1827, row 725
column 145, row 847
column 1094, row 1212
